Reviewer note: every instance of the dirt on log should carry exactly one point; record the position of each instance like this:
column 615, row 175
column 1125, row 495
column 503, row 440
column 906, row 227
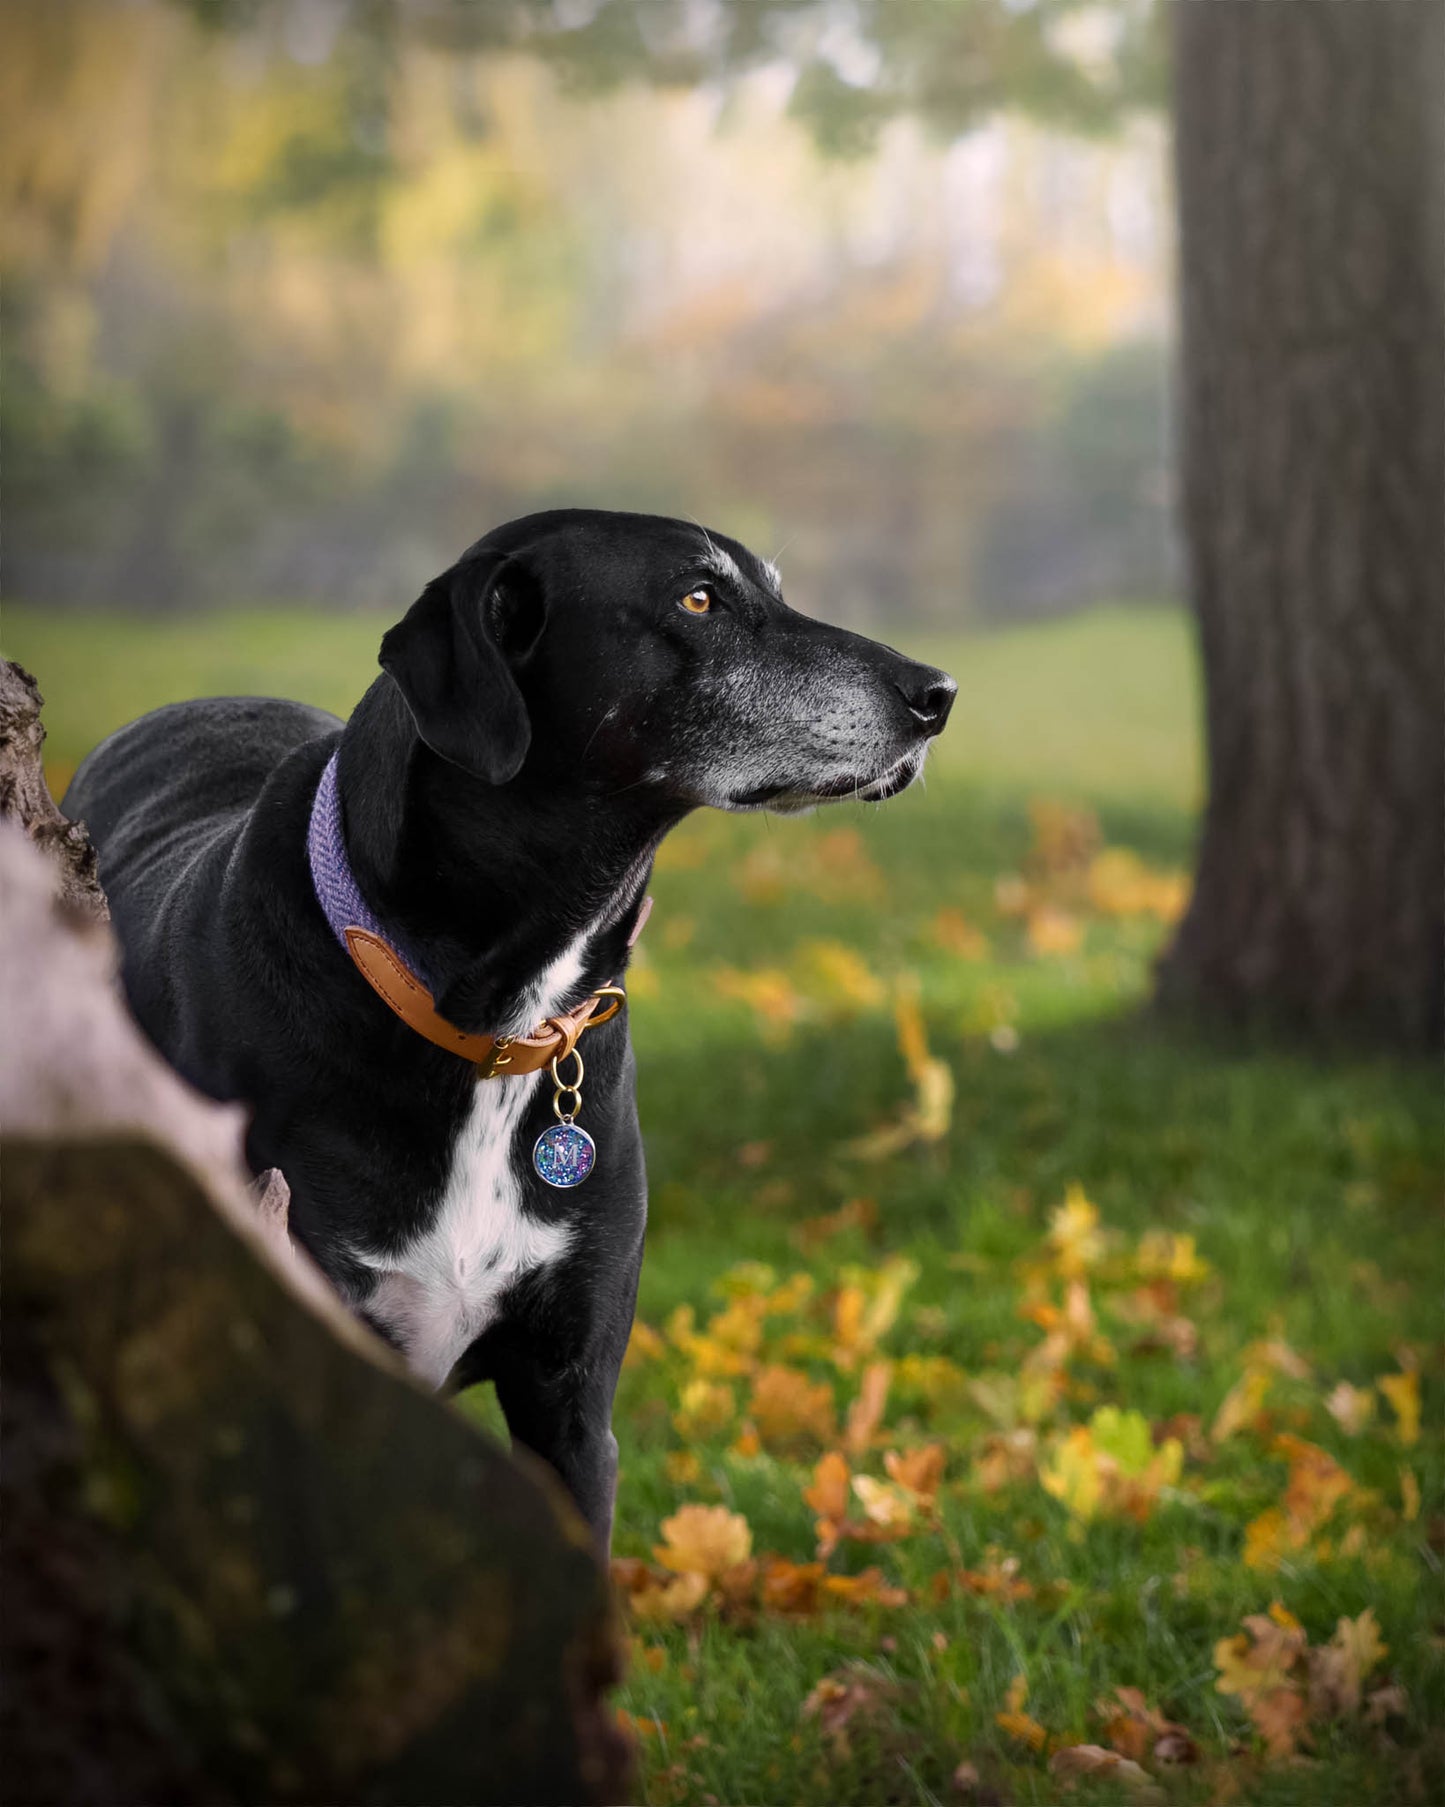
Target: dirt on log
column 245, row 1558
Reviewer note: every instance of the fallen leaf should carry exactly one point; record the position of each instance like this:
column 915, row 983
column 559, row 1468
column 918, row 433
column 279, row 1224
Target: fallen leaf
column 1317, row 1487
column 1076, row 1760
column 953, row 932
column 788, row 1408
column 854, row 1692
column 928, row 1117
column 1403, row 1393
column 656, row 1601
column 1137, row 1730
column 639, row 1728
column 885, row 1504
column 1352, row 1408
column 866, row 1412
column 918, row 1472
column 1015, row 1721
column 643, row 1345
column 792, row 1588
column 1111, row 1465
column 682, row 1467
column 868, row 1588
column 1259, row 1667
column 704, row 1540
column 1052, row 931
column 828, row 1495
column 857, row 1214
column 1338, row 1669
column 704, row 1407
column 1075, row 1239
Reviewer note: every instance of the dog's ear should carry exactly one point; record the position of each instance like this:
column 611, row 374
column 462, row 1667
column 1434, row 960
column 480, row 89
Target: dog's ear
column 449, row 655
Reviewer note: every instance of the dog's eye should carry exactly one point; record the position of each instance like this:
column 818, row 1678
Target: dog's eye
column 697, row 602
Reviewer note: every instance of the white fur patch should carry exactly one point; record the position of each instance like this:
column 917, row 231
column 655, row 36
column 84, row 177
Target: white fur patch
column 441, row 1292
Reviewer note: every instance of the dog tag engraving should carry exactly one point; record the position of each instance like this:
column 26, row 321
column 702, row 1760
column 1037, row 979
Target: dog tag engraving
column 564, row 1155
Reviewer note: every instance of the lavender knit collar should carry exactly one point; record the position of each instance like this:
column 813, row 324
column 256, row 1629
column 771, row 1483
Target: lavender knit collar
column 336, row 888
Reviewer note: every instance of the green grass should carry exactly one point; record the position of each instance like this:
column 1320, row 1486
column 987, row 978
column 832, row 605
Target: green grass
column 1312, row 1188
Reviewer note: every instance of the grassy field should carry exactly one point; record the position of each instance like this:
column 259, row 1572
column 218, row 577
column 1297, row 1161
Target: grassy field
column 1000, row 1348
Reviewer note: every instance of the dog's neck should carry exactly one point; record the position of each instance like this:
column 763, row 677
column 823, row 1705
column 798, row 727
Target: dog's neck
column 492, row 885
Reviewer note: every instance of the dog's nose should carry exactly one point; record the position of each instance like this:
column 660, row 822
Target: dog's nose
column 929, row 698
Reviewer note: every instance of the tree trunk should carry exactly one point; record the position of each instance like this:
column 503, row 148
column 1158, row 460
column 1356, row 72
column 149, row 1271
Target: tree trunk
column 1310, row 170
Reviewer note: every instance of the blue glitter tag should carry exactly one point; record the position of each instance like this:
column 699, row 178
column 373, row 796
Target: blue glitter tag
column 564, row 1155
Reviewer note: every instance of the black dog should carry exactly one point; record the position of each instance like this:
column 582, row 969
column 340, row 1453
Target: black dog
column 548, row 709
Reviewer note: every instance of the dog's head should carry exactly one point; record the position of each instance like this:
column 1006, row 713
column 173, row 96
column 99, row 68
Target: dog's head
column 621, row 652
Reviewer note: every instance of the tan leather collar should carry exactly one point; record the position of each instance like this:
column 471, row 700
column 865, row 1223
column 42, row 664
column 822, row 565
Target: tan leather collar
column 494, row 1056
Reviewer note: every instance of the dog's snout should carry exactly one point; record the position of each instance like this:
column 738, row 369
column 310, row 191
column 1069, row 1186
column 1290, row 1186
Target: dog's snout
column 929, row 697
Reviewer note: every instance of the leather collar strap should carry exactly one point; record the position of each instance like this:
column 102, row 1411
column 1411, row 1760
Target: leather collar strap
column 397, row 983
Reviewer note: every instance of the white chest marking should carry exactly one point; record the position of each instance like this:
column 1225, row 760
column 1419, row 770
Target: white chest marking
column 441, row 1292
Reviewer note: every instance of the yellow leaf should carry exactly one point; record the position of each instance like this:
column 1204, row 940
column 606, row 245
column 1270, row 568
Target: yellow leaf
column 1074, row 1234
column 1073, row 1476
column 1168, row 1255
column 704, row 1540
column 1258, row 1659
column 768, row 992
column 884, row 1503
column 1243, row 1405
column 704, row 1408
column 1403, row 1392
column 644, row 1345
column 928, row 1118
column 840, row 974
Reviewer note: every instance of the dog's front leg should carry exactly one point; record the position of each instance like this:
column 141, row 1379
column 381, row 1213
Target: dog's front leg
column 564, row 1415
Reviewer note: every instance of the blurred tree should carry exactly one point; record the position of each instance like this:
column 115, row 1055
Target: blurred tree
column 1311, row 176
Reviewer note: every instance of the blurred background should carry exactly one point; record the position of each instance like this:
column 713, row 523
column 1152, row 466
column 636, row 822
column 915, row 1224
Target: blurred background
column 300, row 299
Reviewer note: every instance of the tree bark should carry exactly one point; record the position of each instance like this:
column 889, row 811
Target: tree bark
column 1311, row 187
column 26, row 800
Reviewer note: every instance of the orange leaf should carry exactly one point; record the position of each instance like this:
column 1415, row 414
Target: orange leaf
column 828, row 1495
column 788, row 1408
column 794, row 1588
column 866, row 1412
column 1015, row 1721
column 866, row 1589
column 704, row 1540
column 917, row 1471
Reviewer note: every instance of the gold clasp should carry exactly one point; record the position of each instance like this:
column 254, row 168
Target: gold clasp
column 607, row 991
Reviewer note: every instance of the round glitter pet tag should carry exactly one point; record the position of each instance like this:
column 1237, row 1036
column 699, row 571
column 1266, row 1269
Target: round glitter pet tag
column 564, row 1155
